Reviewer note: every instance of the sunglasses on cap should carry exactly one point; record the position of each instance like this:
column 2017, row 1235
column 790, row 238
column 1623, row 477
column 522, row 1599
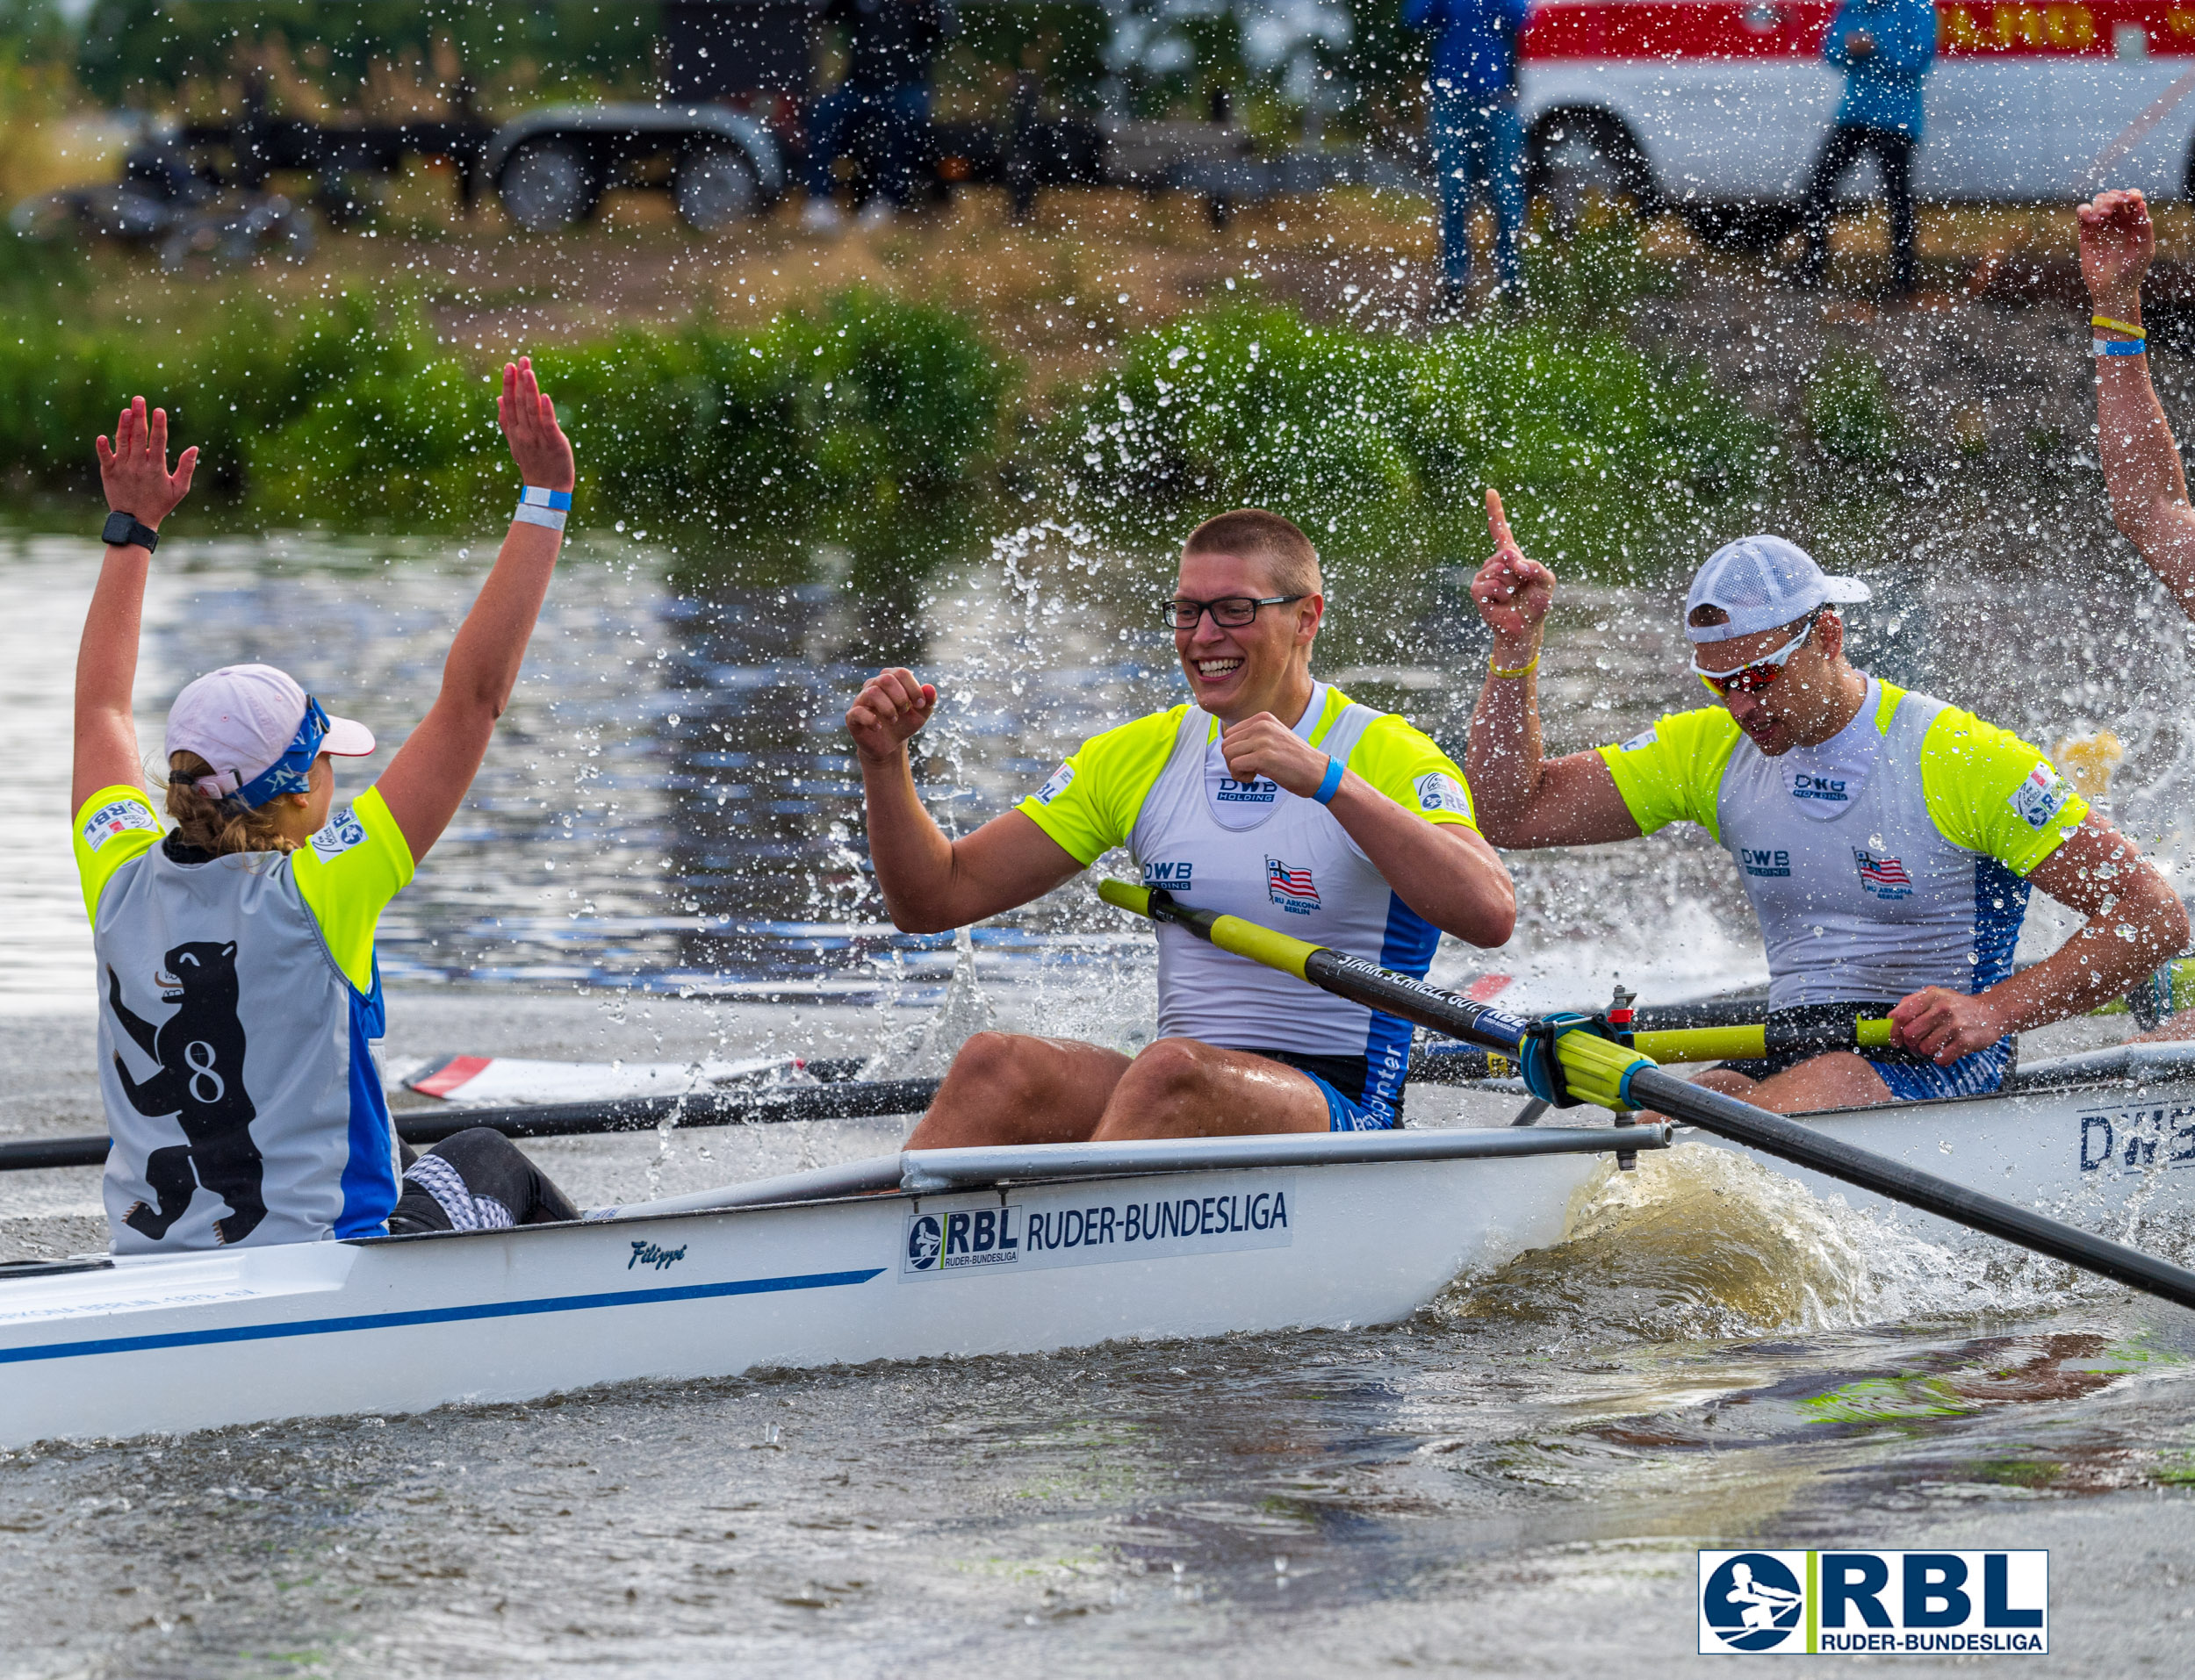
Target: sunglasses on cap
column 1750, row 680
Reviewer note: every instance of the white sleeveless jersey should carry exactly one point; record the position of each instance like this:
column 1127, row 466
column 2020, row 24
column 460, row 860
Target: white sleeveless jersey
column 1255, row 851
column 1915, row 878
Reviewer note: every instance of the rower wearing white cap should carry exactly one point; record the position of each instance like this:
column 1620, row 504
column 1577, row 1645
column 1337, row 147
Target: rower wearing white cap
column 241, row 993
column 1888, row 840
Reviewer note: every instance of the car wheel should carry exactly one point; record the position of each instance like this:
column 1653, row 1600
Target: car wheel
column 546, row 186
column 1756, row 227
column 1584, row 168
column 715, row 186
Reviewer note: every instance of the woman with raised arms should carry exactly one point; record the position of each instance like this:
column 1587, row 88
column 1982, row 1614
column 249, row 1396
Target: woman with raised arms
column 240, row 994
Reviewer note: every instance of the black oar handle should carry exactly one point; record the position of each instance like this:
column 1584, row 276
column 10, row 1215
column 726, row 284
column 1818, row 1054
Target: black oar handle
column 1802, row 1146
column 850, row 1100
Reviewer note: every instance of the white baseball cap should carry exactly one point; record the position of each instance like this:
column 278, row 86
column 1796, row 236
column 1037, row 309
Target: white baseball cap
column 259, row 730
column 1763, row 583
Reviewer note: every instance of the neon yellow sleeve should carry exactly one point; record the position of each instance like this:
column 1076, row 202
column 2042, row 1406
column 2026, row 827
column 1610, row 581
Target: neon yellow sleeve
column 1673, row 772
column 115, row 825
column 1991, row 791
column 346, row 873
column 1405, row 763
column 1089, row 803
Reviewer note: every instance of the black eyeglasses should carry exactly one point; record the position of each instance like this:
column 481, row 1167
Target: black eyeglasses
column 1230, row 612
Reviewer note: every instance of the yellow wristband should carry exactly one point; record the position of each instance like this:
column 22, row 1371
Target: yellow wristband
column 1493, row 670
column 2116, row 327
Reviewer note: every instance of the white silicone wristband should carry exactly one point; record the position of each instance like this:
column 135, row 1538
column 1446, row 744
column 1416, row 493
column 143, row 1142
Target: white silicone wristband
column 528, row 514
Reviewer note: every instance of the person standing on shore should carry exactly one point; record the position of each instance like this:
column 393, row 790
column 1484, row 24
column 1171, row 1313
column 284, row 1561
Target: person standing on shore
column 1473, row 129
column 891, row 47
column 1885, row 48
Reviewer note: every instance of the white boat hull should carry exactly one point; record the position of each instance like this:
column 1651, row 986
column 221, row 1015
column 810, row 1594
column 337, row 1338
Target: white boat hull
column 163, row 1344
column 2115, row 1161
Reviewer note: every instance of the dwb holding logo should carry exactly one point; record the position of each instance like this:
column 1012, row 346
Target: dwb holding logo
column 1891, row 1604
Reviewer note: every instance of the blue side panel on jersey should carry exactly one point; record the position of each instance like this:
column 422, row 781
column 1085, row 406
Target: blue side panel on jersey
column 2000, row 905
column 1409, row 949
column 369, row 1174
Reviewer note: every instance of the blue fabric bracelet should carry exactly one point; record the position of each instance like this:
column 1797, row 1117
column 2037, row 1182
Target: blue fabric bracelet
column 559, row 499
column 2117, row 347
column 1329, row 783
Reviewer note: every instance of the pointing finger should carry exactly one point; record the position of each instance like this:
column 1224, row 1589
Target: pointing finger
column 1498, row 521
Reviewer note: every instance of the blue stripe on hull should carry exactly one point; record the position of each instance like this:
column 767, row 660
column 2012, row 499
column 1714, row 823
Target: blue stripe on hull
column 435, row 1316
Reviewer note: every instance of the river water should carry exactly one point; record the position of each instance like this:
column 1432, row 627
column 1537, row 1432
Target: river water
column 663, row 858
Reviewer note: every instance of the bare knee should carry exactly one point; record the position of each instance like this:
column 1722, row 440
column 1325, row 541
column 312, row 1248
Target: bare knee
column 1169, row 1070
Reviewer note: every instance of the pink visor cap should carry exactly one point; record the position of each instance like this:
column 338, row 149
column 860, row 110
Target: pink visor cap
column 260, row 731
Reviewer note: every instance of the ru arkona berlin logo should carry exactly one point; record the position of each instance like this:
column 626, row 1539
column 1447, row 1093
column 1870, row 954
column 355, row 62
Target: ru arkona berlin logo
column 1752, row 1601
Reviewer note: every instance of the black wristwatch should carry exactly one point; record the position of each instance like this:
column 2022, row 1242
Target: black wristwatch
column 123, row 531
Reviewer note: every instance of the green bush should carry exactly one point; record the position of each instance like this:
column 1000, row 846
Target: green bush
column 867, row 407
column 1849, row 413
column 1393, row 441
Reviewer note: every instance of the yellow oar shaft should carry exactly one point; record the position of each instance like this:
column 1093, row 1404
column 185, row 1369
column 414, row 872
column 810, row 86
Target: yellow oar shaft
column 1732, row 1044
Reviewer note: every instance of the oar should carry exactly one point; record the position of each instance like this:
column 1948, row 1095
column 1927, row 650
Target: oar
column 1597, row 1070
column 848, row 1100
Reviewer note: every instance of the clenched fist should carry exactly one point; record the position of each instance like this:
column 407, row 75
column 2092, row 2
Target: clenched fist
column 885, row 716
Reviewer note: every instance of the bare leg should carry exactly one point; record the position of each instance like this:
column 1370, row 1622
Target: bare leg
column 1837, row 1080
column 1181, row 1089
column 1004, row 1087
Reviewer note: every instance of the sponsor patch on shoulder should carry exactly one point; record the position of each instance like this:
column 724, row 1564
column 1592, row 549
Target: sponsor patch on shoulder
column 343, row 831
column 1438, row 791
column 2042, row 795
column 1055, row 784
column 1637, row 742
column 117, row 817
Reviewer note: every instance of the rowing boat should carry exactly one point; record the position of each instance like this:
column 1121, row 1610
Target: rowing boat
column 924, row 1253
column 935, row 1253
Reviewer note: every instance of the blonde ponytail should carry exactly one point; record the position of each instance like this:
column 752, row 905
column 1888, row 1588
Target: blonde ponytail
column 217, row 825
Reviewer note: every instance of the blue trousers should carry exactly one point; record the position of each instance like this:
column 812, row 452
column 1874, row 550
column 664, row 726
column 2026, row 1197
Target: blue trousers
column 896, row 115
column 1476, row 142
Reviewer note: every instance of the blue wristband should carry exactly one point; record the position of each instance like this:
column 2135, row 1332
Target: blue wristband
column 1330, row 784
column 559, row 499
column 2117, row 347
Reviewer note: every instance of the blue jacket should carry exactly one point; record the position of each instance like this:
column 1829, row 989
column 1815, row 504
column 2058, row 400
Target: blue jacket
column 1883, row 89
column 1474, row 41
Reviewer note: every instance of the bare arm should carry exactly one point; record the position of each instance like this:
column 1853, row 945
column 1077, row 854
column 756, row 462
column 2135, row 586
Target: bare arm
column 1525, row 799
column 426, row 781
column 134, row 471
column 2135, row 923
column 2142, row 462
column 931, row 884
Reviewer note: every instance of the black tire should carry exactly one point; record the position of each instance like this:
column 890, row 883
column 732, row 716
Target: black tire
column 1574, row 155
column 1219, row 212
column 1758, row 228
column 713, row 188
column 547, row 185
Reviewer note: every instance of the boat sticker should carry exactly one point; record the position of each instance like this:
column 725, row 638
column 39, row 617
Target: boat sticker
column 2129, row 1140
column 660, row 1260
column 1067, row 1226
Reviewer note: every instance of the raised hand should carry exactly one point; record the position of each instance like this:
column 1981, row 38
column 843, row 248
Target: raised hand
column 891, row 706
column 2117, row 246
column 1512, row 593
column 133, row 468
column 529, row 418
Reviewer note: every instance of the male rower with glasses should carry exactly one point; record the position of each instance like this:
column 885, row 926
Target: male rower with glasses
column 1270, row 795
column 1888, row 840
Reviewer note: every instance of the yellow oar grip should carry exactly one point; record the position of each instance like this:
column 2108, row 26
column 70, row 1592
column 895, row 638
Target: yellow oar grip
column 1732, row 1044
column 1125, row 896
column 1228, row 932
column 1594, row 1068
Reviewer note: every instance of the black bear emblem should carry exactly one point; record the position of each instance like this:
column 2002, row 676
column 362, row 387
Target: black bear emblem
column 200, row 1050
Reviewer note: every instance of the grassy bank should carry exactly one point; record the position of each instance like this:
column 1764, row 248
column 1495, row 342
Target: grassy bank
column 868, row 418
